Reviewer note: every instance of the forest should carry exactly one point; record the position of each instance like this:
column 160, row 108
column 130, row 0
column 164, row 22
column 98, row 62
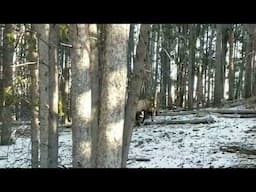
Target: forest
column 127, row 95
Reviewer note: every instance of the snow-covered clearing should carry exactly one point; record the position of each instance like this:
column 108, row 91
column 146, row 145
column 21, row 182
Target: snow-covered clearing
column 164, row 146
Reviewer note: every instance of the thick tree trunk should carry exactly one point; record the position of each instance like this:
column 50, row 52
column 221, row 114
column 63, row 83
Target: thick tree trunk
column 218, row 69
column 113, row 94
column 53, row 97
column 241, row 72
column 134, row 90
column 250, row 54
column 81, row 96
column 43, row 47
column 33, row 57
column 8, row 107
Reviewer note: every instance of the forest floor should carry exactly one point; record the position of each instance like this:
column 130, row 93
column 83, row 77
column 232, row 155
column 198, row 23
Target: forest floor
column 226, row 143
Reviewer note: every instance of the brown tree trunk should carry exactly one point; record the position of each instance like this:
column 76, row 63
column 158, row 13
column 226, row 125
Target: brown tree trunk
column 134, row 90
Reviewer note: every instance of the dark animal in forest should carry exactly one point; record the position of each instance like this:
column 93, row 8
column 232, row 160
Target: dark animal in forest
column 144, row 109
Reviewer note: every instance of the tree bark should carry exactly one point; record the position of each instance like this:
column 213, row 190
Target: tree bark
column 241, row 70
column 191, row 66
column 8, row 107
column 113, row 94
column 134, row 90
column 81, row 96
column 218, row 72
column 209, row 73
column 231, row 71
column 95, row 39
column 53, row 97
column 250, row 54
column 199, row 87
column 43, row 47
column 33, row 57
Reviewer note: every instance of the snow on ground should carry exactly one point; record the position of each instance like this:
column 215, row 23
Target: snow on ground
column 163, row 146
column 191, row 146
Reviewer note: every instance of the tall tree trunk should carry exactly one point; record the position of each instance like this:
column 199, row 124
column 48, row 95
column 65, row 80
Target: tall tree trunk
column 168, row 69
column 231, row 70
column 205, row 66
column 8, row 50
column 209, row 73
column 148, row 70
column 199, row 89
column 53, row 97
column 95, row 84
column 134, row 90
column 113, row 94
column 43, row 47
column 223, row 58
column 181, row 68
column 33, row 57
column 81, row 96
column 157, row 39
column 218, row 69
column 164, row 63
column 241, row 71
column 191, row 66
column 249, row 62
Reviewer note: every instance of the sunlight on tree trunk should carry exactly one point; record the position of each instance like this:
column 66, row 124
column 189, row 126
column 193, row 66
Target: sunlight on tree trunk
column 114, row 82
column 43, row 39
column 81, row 96
column 53, row 97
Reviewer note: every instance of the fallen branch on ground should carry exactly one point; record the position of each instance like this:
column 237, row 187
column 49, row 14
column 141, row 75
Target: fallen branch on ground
column 237, row 115
column 190, row 121
column 139, row 159
column 234, row 149
column 207, row 111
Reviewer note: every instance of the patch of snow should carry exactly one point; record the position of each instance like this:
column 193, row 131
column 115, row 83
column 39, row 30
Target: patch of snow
column 167, row 146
